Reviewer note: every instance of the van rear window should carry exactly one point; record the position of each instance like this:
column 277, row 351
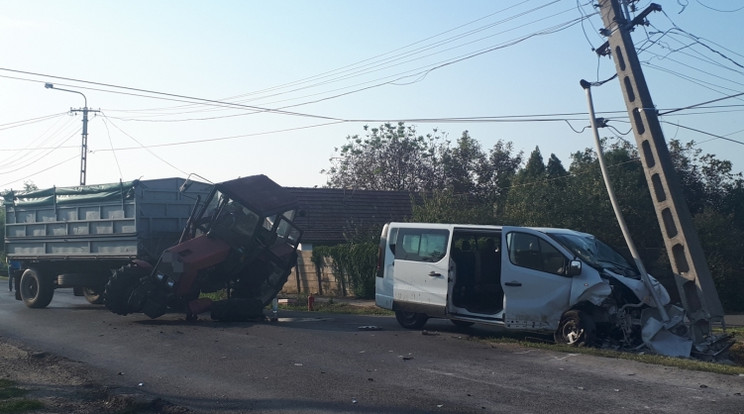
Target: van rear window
column 424, row 245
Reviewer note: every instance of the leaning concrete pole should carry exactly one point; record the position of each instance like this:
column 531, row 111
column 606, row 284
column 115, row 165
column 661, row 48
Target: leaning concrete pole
column 692, row 275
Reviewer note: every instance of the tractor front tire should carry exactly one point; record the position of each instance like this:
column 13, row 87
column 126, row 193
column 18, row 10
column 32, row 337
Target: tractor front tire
column 119, row 289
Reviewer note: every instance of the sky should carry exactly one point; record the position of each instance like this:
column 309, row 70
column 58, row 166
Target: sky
column 224, row 89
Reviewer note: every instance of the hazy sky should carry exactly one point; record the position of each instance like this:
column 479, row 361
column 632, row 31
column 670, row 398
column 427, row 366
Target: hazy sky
column 234, row 88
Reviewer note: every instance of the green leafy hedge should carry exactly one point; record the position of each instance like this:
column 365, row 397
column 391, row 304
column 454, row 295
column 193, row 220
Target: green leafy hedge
column 354, row 265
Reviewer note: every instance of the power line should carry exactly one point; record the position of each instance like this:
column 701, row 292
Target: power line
column 190, row 99
column 706, row 133
column 146, row 148
column 25, row 122
column 391, row 79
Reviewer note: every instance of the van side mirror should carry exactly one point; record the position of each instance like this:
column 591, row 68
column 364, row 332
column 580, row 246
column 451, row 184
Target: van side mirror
column 574, row 268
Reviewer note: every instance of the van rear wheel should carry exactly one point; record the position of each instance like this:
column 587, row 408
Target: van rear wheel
column 411, row 320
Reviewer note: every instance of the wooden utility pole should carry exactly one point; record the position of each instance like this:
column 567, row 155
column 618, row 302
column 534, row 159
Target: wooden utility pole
column 692, row 275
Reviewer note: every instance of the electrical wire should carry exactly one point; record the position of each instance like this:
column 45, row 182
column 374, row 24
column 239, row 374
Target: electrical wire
column 716, row 136
column 113, row 151
column 161, row 159
column 39, row 171
column 145, row 93
column 419, row 72
column 25, row 122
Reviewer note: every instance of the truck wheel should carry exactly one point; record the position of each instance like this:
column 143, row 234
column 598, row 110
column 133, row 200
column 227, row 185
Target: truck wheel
column 411, row 320
column 120, row 287
column 36, row 289
column 576, row 328
column 93, row 295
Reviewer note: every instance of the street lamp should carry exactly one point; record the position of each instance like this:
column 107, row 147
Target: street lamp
column 84, row 149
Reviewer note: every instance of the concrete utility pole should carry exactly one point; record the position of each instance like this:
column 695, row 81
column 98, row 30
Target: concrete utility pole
column 692, row 275
column 84, row 149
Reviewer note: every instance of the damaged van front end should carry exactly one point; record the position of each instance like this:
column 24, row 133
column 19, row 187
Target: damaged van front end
column 624, row 313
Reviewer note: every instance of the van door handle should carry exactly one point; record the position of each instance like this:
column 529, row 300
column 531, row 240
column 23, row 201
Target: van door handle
column 434, row 274
column 514, row 284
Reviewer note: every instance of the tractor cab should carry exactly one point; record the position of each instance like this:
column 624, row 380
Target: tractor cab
column 241, row 241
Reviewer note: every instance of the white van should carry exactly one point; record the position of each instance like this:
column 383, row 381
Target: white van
column 532, row 279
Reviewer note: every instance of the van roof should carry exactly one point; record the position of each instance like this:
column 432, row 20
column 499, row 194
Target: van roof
column 546, row 230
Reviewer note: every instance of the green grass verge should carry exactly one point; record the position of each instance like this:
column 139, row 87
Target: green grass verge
column 684, row 363
column 735, row 365
column 331, row 306
column 12, row 401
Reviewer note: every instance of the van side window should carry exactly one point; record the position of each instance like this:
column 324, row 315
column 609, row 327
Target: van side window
column 423, row 245
column 527, row 250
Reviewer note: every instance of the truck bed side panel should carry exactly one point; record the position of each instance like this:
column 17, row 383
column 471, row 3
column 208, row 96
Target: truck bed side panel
column 140, row 219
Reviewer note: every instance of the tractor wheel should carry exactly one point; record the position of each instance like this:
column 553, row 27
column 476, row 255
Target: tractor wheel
column 119, row 289
column 273, row 280
column 36, row 288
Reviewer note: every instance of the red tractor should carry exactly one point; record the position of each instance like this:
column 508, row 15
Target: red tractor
column 240, row 239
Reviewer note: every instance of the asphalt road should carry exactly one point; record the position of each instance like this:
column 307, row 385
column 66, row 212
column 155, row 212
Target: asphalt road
column 329, row 363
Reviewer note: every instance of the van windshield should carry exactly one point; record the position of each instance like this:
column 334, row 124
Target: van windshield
column 596, row 253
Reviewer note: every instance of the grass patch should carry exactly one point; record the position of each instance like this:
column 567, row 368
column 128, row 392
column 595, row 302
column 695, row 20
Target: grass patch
column 218, row 295
column 736, row 352
column 299, row 303
column 684, row 363
column 332, row 306
column 8, row 390
column 19, row 406
column 12, row 401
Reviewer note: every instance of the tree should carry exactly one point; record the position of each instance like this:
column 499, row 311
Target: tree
column 391, row 157
column 534, row 169
column 29, row 186
column 722, row 244
column 528, row 202
column 461, row 165
column 475, row 184
column 444, row 206
column 496, row 174
column 705, row 179
column 555, row 168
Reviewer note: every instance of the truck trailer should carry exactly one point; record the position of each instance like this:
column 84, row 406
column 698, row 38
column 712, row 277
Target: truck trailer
column 74, row 237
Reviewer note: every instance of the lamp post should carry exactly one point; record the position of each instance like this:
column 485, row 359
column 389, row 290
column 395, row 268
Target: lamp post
column 84, row 149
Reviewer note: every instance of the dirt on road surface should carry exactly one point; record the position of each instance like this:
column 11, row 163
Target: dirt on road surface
column 65, row 386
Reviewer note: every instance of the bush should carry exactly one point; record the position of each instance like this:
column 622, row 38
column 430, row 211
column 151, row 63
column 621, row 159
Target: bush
column 354, row 265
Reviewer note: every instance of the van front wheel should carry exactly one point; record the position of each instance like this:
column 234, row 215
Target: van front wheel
column 411, row 320
column 577, row 328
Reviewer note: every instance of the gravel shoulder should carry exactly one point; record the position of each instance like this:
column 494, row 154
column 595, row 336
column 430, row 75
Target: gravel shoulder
column 66, row 386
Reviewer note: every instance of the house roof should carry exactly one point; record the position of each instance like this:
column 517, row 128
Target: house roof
column 336, row 215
